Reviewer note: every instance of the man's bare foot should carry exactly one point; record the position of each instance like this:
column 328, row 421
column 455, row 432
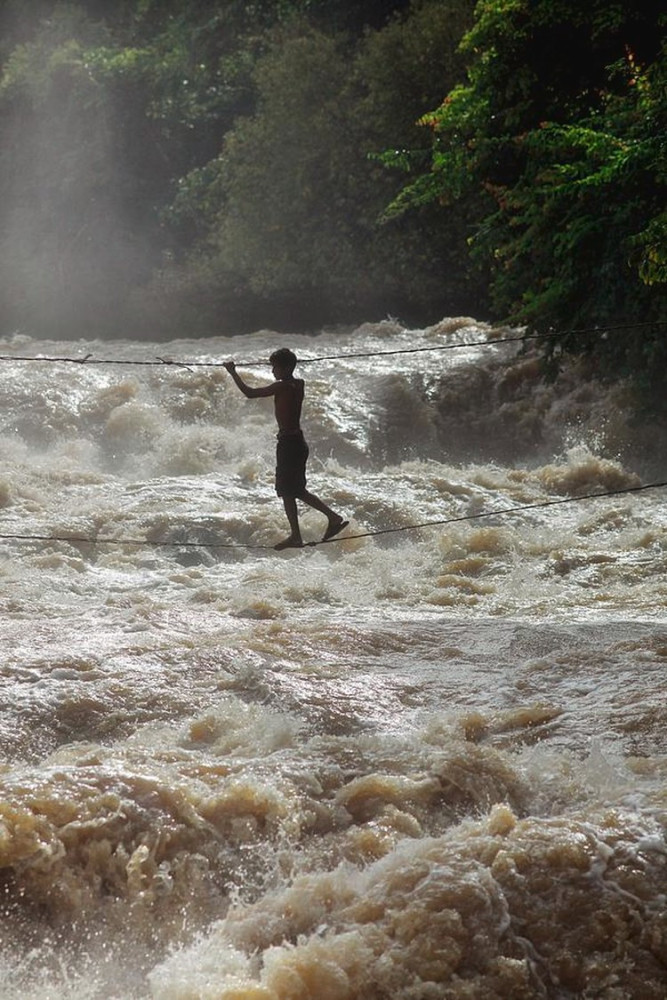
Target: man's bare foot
column 289, row 543
column 336, row 525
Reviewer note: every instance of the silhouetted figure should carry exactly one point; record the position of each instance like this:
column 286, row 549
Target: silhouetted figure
column 292, row 449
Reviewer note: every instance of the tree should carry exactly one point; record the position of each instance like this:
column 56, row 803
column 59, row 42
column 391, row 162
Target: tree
column 556, row 143
column 289, row 213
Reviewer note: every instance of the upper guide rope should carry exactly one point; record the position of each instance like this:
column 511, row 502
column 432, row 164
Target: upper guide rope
column 89, row 359
column 340, row 538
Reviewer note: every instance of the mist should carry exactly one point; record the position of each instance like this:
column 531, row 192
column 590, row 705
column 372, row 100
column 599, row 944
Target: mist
column 128, row 209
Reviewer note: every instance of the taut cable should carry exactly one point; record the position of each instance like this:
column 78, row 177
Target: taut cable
column 80, row 539
column 89, row 359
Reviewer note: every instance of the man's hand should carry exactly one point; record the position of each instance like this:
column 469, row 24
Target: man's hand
column 230, row 366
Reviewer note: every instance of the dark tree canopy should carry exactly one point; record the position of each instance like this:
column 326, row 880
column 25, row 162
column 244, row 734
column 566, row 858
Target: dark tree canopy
column 172, row 166
column 556, row 142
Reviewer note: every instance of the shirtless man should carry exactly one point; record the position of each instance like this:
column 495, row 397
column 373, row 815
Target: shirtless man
column 291, row 450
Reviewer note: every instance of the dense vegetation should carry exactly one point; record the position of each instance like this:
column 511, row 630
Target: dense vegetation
column 560, row 133
column 178, row 166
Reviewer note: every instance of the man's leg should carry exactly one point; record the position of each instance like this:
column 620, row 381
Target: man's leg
column 318, row 504
column 294, row 540
column 336, row 522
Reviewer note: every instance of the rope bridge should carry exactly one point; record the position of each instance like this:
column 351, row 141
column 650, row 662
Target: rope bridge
column 90, row 360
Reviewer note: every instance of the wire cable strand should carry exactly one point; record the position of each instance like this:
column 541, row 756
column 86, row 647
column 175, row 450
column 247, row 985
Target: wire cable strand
column 495, row 513
column 89, row 359
column 339, row 538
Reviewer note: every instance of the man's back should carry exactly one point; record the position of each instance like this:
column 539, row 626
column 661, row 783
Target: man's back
column 288, row 399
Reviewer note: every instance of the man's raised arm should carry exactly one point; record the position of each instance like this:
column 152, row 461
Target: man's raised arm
column 252, row 392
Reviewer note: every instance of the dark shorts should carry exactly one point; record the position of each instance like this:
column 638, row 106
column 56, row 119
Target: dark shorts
column 291, row 457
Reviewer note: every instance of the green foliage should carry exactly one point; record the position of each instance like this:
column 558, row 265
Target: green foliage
column 239, row 154
column 651, row 245
column 556, row 145
column 299, row 196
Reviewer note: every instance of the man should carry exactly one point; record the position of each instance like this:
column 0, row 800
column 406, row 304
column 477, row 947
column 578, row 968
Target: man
column 291, row 450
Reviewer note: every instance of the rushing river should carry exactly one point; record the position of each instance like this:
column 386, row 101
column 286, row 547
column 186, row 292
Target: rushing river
column 417, row 764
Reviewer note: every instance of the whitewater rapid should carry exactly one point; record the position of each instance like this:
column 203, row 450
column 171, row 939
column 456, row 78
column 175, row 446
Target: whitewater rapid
column 424, row 764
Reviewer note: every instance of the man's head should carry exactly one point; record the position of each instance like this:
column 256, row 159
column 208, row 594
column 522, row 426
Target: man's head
column 283, row 361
